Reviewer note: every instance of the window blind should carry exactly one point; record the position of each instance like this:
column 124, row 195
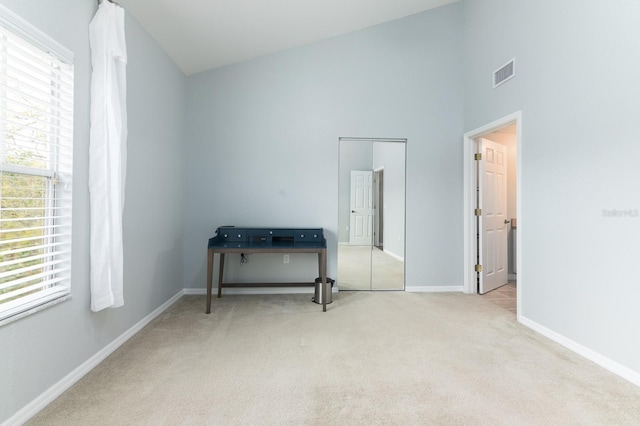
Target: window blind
column 36, row 161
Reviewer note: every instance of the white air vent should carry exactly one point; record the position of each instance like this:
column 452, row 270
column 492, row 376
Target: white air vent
column 504, row 73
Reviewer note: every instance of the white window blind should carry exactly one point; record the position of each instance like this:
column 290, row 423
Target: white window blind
column 36, row 153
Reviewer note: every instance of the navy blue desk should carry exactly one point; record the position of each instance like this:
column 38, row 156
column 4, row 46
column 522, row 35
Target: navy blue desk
column 230, row 239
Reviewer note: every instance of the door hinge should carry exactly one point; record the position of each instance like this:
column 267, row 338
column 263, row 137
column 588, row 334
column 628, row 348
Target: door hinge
column 477, row 157
column 478, row 268
column 477, row 212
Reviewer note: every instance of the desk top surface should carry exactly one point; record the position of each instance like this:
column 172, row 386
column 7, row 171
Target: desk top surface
column 268, row 238
column 215, row 244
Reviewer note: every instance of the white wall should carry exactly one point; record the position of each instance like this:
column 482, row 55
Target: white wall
column 39, row 350
column 263, row 138
column 577, row 87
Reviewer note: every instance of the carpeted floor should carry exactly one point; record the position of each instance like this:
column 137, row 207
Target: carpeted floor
column 372, row 358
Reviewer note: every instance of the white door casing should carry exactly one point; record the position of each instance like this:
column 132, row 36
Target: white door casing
column 361, row 216
column 493, row 221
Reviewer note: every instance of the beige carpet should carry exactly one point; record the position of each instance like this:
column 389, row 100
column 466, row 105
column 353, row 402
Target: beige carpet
column 372, row 358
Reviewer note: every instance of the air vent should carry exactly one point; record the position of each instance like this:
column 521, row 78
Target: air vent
column 504, row 73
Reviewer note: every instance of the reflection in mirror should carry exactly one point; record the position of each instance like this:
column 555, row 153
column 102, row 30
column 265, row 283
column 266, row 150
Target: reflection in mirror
column 387, row 260
column 371, row 215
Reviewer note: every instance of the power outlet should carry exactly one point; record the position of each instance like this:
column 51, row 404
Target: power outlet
column 286, row 258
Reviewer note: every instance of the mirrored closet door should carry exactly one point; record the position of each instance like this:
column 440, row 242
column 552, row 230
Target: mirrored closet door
column 371, row 223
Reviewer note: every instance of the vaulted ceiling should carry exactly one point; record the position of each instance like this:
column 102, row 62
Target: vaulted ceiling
column 203, row 34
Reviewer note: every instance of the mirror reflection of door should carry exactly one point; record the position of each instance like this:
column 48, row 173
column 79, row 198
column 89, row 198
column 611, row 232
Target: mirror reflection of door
column 361, row 196
column 371, row 223
column 378, row 211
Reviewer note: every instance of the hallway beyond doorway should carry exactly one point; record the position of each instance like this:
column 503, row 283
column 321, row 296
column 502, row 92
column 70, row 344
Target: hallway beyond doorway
column 504, row 296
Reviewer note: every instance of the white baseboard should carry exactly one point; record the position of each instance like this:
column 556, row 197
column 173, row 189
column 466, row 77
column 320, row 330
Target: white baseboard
column 395, row 256
column 35, row 406
column 604, row 362
column 256, row 290
column 434, row 289
column 195, row 292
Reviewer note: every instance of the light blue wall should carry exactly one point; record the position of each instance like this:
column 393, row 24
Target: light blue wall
column 353, row 155
column 578, row 87
column 391, row 157
column 263, row 140
column 39, row 350
column 261, row 148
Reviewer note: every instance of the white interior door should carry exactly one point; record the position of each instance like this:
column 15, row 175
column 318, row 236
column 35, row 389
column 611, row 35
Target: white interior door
column 361, row 220
column 494, row 256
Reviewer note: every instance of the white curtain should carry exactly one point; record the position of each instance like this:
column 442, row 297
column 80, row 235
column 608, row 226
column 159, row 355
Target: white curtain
column 107, row 154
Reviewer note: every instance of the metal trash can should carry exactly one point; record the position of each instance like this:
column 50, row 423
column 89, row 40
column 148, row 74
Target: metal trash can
column 318, row 295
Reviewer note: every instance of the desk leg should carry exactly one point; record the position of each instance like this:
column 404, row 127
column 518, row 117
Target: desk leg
column 220, row 272
column 323, row 274
column 209, row 279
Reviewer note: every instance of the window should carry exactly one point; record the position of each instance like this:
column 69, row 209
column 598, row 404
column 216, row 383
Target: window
column 36, row 135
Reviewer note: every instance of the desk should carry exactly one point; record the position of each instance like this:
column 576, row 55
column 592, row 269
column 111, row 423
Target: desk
column 230, row 239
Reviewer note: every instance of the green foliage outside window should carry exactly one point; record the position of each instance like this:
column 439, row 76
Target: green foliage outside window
column 23, row 197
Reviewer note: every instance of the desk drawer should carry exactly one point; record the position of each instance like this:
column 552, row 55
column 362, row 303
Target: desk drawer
column 233, row 235
column 308, row 236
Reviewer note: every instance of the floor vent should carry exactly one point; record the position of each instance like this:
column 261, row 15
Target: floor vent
column 504, row 73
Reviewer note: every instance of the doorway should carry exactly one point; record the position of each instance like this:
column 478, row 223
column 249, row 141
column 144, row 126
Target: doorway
column 493, row 203
column 378, row 211
column 371, row 214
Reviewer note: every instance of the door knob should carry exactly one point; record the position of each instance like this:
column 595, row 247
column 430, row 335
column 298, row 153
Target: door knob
column 506, row 221
column 353, row 211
